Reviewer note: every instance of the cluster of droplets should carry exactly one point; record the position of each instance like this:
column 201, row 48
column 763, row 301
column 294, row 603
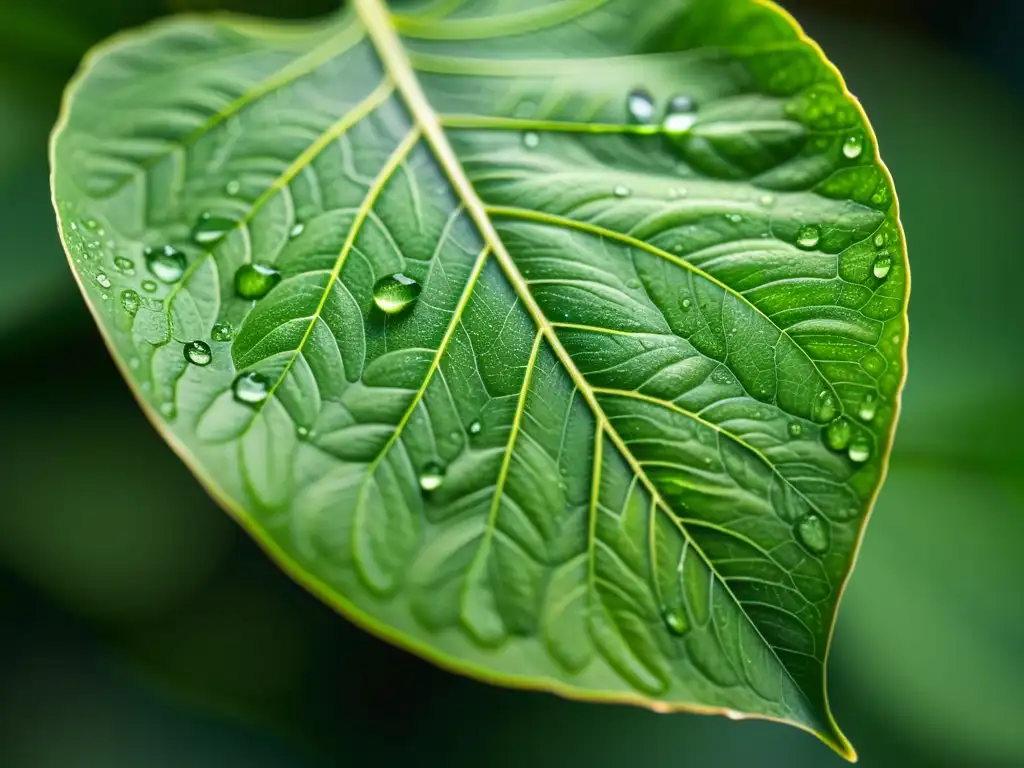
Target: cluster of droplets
column 679, row 116
column 841, row 434
column 883, row 259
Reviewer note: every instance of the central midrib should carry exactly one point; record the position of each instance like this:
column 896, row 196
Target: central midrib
column 376, row 18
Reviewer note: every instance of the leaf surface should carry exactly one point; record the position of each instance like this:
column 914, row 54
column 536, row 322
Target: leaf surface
column 560, row 342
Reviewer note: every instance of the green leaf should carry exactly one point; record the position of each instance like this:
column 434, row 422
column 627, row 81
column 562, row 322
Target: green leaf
column 574, row 371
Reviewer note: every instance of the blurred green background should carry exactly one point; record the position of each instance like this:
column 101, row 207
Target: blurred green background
column 142, row 628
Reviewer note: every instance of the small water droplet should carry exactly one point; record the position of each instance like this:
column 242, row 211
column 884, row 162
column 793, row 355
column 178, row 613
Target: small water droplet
column 766, row 200
column 198, row 353
column 302, row 432
column 879, row 240
column 474, row 428
column 838, row 434
column 640, row 106
column 222, row 332
column 860, row 449
column 431, row 476
column 622, row 191
column 808, row 237
column 103, row 280
column 251, row 388
column 149, row 286
column 395, row 292
column 680, row 116
column 130, row 301
column 867, row 408
column 853, row 146
column 824, row 407
column 126, row 266
column 675, row 621
column 233, row 187
column 167, row 264
column 882, row 265
column 796, row 429
column 91, row 224
column 254, row 281
column 167, row 409
column 531, row 139
column 685, row 304
column 209, row 229
column 735, row 218
column 813, row 533
column 297, row 229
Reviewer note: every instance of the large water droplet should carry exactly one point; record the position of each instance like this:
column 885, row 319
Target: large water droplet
column 882, row 265
column 130, row 301
column 640, row 106
column 531, row 139
column 209, row 229
column 126, row 266
column 867, row 408
column 222, row 332
column 824, row 407
column 853, row 146
column 675, row 620
column 808, row 237
column 679, row 117
column 395, row 292
column 103, row 280
column 860, row 449
column 254, row 281
column 251, row 388
column 813, row 533
column 198, row 353
column 167, row 264
column 431, row 476
column 838, row 434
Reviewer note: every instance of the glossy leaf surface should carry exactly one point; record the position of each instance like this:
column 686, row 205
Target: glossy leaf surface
column 560, row 342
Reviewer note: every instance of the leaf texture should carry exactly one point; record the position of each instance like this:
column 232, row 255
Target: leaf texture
column 623, row 441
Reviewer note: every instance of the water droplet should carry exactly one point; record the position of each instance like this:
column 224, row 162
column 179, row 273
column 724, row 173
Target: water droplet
column 808, row 237
column 867, row 408
column 127, row 266
column 297, row 229
column 640, row 106
column 222, row 332
column 167, row 409
column 233, row 187
column 254, row 281
column 853, row 146
column 766, row 200
column 735, row 218
column 813, row 533
column 824, row 407
column 131, row 301
column 685, row 304
column 622, row 191
column 149, row 286
column 103, row 280
column 474, row 428
column 882, row 265
column 91, row 224
column 838, row 434
column 531, row 139
column 675, row 621
column 879, row 240
column 679, row 117
column 796, row 429
column 302, row 432
column 198, row 353
column 251, row 388
column 210, row 229
column 167, row 264
column 395, row 292
column 432, row 476
column 860, row 449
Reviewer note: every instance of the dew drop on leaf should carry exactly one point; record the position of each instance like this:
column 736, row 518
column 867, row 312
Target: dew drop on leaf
column 853, row 145
column 167, row 409
column 640, row 106
column 838, row 434
column 879, row 240
column 679, row 117
column 860, row 449
column 209, row 229
column 867, row 408
column 149, row 286
column 103, row 280
column 882, row 265
column 622, row 191
column 126, row 266
column 431, row 476
column 474, row 428
column 766, row 200
column 735, row 218
column 675, row 621
column 808, row 237
column 297, row 229
column 130, row 301
column 813, row 533
column 167, row 264
column 395, row 292
column 198, row 353
column 796, row 429
column 824, row 407
column 222, row 332
column 251, row 388
column 233, row 187
column 254, row 281
column 531, row 139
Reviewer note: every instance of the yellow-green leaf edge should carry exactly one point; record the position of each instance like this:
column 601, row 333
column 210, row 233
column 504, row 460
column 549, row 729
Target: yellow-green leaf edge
column 835, row 740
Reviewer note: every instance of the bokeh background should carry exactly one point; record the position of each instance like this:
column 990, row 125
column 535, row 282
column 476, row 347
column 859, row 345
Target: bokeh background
column 140, row 627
